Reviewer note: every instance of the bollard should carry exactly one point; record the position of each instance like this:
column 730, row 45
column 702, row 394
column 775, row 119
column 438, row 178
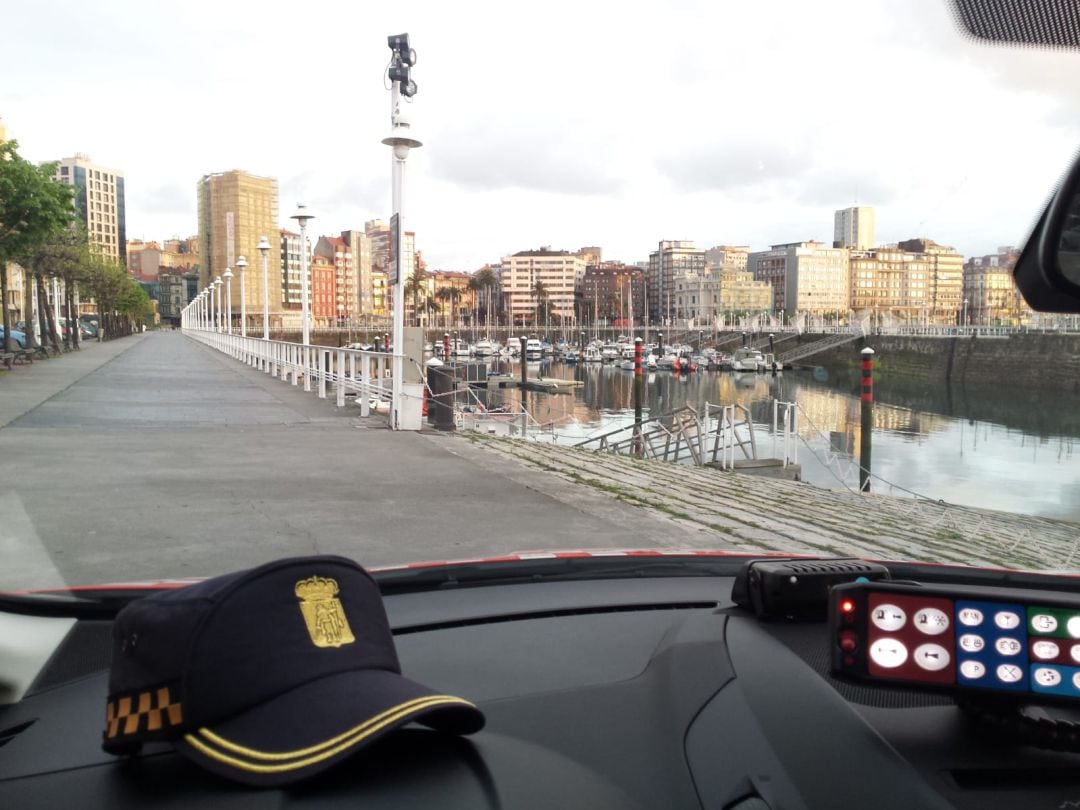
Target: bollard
column 386, row 342
column 378, row 343
column 434, row 365
column 446, row 346
column 659, row 344
column 772, row 353
column 744, row 340
column 524, row 371
column 442, row 398
column 866, row 424
column 639, row 386
column 581, row 348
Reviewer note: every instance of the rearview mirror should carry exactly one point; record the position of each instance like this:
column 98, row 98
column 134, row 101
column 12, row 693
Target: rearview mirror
column 1048, row 270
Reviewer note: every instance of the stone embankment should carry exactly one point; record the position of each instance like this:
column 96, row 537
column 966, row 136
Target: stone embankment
column 746, row 513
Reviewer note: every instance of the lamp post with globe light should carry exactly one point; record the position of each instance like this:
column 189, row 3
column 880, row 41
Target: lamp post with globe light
column 227, row 279
column 241, row 267
column 400, row 141
column 218, row 320
column 264, row 249
column 302, row 218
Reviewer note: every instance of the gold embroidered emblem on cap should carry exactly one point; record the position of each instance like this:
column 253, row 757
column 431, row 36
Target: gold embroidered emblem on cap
column 323, row 613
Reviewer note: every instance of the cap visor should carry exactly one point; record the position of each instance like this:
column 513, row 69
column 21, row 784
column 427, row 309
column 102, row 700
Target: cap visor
column 314, row 726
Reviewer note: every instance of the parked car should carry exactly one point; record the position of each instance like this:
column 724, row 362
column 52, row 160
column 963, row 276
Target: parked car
column 20, row 337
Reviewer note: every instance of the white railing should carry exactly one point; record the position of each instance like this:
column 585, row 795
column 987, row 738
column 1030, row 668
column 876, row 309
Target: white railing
column 323, row 369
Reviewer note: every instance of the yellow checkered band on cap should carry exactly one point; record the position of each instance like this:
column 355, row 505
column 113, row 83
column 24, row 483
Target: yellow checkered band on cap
column 141, row 713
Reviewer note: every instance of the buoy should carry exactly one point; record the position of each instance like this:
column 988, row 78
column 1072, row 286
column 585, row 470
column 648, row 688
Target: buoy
column 423, row 407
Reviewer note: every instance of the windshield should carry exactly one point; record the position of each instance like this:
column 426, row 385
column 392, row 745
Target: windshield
column 307, row 289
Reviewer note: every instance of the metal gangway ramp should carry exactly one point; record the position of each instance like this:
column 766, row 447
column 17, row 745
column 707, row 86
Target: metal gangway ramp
column 721, row 437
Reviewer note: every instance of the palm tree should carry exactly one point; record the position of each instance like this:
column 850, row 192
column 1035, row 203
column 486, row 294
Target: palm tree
column 414, row 286
column 451, row 295
column 475, row 286
column 540, row 292
column 486, row 283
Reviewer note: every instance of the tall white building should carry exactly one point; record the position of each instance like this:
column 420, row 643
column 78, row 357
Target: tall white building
column 99, row 199
column 854, row 228
column 560, row 272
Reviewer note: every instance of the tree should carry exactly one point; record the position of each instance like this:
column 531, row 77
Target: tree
column 66, row 257
column 541, row 294
column 449, row 295
column 33, row 209
column 414, row 286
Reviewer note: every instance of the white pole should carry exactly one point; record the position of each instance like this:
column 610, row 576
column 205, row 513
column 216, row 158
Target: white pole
column 266, row 291
column 397, row 176
column 228, row 301
column 304, row 304
column 243, row 299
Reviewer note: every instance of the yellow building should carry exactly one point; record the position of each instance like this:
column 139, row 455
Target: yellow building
column 236, row 209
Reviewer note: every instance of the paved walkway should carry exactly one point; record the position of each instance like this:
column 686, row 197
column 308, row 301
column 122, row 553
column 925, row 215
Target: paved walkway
column 154, row 456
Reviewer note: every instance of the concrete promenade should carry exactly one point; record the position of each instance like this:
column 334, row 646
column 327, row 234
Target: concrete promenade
column 153, row 456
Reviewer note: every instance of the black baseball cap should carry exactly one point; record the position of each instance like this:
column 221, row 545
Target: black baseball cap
column 267, row 676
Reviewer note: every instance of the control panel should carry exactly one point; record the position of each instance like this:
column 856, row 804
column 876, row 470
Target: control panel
column 970, row 638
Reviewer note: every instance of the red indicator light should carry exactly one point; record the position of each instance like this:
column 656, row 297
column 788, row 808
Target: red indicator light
column 847, row 606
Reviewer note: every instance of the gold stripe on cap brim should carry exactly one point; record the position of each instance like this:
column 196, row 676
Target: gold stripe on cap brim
column 204, row 739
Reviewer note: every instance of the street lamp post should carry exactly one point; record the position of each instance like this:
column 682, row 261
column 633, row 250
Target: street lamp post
column 400, row 141
column 964, row 320
column 241, row 267
column 218, row 320
column 303, row 217
column 264, row 249
column 227, row 276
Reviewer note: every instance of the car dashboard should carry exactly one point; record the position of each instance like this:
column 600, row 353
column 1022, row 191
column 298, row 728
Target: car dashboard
column 627, row 692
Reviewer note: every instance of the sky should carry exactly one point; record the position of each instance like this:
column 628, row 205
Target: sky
column 563, row 124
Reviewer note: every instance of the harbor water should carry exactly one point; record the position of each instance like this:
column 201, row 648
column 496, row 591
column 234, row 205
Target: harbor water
column 1002, row 448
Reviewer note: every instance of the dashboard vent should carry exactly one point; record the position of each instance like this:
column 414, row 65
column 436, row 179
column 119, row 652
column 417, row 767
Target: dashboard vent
column 855, row 567
column 9, row 734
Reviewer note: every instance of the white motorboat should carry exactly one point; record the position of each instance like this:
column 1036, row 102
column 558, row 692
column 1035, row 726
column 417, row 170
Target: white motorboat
column 747, row 359
column 534, row 349
column 487, row 348
column 592, row 354
column 610, row 352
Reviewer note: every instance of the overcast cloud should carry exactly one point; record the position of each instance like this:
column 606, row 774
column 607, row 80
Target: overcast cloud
column 568, row 124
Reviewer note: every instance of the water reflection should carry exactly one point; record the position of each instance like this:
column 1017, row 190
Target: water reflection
column 1000, row 448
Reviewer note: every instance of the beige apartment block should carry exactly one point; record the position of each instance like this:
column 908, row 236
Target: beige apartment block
column 559, row 270
column 236, row 210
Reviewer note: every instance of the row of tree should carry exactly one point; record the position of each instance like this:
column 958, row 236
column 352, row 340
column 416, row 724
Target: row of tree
column 484, row 284
column 39, row 232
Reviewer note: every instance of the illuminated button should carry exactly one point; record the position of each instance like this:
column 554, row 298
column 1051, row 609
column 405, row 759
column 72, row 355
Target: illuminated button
column 888, row 653
column 1046, row 650
column 848, row 642
column 972, row 669
column 1073, row 627
column 1010, row 673
column 1076, row 680
column 970, row 617
column 969, row 642
column 1007, row 620
column 1074, row 653
column 1045, row 676
column 888, row 618
column 932, row 657
column 1008, row 646
column 1044, row 623
column 931, row 621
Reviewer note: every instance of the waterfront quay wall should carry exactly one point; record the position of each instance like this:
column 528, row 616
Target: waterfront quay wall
column 1036, row 361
